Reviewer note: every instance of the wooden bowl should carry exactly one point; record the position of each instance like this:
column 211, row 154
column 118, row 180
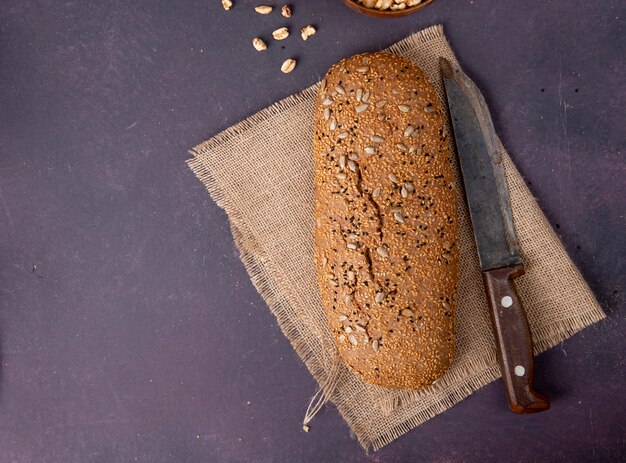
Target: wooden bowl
column 356, row 6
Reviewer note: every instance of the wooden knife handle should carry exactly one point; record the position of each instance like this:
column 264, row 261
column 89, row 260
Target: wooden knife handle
column 513, row 339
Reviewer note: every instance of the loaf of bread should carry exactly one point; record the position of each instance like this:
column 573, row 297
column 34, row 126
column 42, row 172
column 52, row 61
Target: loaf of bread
column 386, row 231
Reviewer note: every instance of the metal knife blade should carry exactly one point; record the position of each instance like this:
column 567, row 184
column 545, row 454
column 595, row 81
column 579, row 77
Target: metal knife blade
column 492, row 220
column 483, row 173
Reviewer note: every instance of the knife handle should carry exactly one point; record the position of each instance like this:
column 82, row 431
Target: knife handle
column 513, row 339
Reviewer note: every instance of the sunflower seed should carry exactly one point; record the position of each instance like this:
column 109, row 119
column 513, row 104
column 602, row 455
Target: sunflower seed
column 362, row 69
column 404, row 108
column 326, row 113
column 393, row 178
column 360, row 328
column 352, row 165
column 307, row 31
column 342, row 162
column 353, row 156
column 353, row 340
column 342, row 338
column 263, row 9
column 258, row 44
column 377, row 139
column 281, row 33
column 446, row 305
column 343, row 135
column 408, row 313
column 413, row 149
column 333, row 123
column 348, row 300
column 341, row 176
column 381, row 103
column 351, row 246
column 370, row 150
column 359, row 94
column 409, row 186
column 379, row 297
column 227, row 4
column 347, row 329
column 382, row 251
column 353, row 237
column 327, row 102
column 351, row 275
column 286, row 11
column 324, row 260
column 408, row 131
column 382, row 117
column 401, row 146
column 399, row 217
column 334, row 93
column 288, row 66
column 361, row 108
column 342, row 318
column 366, row 97
column 375, row 344
column 404, row 192
column 376, row 192
column 429, row 109
column 340, row 89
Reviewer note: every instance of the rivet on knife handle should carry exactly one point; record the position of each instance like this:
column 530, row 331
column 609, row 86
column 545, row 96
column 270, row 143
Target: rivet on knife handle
column 513, row 339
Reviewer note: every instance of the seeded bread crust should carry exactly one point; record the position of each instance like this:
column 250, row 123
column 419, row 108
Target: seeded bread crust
column 386, row 231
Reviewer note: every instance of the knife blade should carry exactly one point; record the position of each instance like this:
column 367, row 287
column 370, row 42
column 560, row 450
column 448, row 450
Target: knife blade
column 489, row 205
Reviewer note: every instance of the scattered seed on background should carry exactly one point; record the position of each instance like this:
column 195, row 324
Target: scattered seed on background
column 288, row 66
column 259, row 44
column 263, row 9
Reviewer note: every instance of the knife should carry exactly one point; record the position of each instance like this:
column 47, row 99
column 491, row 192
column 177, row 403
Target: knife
column 498, row 250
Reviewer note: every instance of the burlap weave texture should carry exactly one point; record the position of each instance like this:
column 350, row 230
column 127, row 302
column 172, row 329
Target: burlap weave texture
column 260, row 172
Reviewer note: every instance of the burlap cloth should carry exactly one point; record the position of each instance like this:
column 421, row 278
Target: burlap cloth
column 260, row 172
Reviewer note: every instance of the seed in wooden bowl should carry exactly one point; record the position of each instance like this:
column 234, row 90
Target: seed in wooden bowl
column 288, row 66
column 286, row 11
column 263, row 9
column 281, row 33
column 259, row 44
column 227, row 4
column 307, row 31
column 392, row 5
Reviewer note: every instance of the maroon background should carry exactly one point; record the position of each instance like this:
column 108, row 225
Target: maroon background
column 129, row 330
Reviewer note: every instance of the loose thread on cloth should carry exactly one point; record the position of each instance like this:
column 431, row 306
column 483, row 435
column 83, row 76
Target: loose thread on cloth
column 260, row 171
column 323, row 393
